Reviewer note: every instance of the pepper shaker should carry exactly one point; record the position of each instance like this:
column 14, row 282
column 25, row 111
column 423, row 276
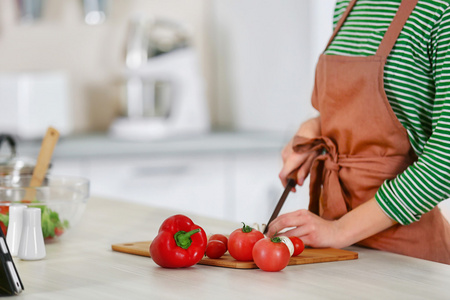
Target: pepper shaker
column 15, row 226
column 32, row 245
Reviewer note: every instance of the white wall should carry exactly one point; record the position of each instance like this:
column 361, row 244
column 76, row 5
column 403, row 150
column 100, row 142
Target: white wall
column 265, row 53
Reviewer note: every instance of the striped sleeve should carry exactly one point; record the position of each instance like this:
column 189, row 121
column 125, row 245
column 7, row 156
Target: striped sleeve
column 427, row 182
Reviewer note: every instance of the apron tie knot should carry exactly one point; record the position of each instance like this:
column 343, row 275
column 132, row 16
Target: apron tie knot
column 325, row 169
column 331, row 165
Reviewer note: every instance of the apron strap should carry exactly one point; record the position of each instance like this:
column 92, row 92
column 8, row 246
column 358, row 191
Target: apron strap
column 396, row 26
column 341, row 21
column 391, row 35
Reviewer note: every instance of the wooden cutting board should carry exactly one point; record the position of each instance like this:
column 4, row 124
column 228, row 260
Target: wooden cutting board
column 308, row 256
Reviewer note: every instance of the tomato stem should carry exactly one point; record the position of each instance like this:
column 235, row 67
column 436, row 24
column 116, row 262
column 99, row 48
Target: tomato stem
column 183, row 238
column 276, row 239
column 246, row 228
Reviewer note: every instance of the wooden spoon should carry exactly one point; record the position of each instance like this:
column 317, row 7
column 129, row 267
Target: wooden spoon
column 43, row 162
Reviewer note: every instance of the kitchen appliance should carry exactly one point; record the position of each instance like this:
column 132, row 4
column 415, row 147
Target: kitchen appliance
column 32, row 101
column 164, row 95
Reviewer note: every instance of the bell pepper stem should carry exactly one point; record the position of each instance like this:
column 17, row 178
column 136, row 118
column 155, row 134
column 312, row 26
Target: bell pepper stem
column 183, row 238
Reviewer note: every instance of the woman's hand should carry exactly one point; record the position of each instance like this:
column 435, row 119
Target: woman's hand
column 362, row 222
column 310, row 228
column 303, row 161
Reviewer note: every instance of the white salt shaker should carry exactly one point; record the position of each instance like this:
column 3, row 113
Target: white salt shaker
column 15, row 227
column 32, row 245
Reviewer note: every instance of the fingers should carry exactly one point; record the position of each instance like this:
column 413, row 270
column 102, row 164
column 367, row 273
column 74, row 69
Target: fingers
column 313, row 230
column 293, row 219
column 305, row 168
column 294, row 161
column 302, row 161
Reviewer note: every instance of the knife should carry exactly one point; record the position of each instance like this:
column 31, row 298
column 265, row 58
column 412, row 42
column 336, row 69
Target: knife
column 291, row 183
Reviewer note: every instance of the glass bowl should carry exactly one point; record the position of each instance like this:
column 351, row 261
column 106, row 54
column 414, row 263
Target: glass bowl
column 62, row 200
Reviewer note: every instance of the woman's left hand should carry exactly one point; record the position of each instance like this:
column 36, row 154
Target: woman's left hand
column 361, row 222
column 312, row 229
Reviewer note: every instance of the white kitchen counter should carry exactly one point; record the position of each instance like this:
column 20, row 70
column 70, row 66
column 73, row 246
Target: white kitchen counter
column 82, row 266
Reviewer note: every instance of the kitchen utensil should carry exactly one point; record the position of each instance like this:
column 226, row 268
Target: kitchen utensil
column 62, row 200
column 291, row 182
column 12, row 144
column 15, row 226
column 32, row 245
column 10, row 164
column 308, row 256
column 43, row 161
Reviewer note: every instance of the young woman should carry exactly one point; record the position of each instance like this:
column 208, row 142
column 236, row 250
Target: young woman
column 379, row 153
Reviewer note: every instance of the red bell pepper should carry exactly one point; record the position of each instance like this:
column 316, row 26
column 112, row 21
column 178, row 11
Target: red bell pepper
column 179, row 243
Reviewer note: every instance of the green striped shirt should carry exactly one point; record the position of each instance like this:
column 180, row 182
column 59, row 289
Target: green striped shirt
column 417, row 84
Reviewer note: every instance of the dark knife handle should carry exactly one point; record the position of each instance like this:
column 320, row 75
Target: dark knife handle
column 291, row 183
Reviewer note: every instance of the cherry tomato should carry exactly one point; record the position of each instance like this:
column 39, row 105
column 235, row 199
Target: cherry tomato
column 3, row 228
column 215, row 249
column 4, row 209
column 219, row 237
column 241, row 242
column 271, row 255
column 59, row 231
column 298, row 245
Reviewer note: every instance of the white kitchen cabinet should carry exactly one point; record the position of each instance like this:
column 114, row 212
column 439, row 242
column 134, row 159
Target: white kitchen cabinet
column 70, row 167
column 188, row 184
column 237, row 187
column 258, row 188
column 213, row 175
column 241, row 187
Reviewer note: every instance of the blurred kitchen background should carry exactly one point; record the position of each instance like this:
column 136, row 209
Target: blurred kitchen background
column 249, row 63
column 183, row 104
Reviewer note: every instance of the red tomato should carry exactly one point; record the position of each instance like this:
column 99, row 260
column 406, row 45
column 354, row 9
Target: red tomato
column 3, row 228
column 298, row 245
column 271, row 255
column 241, row 242
column 219, row 237
column 59, row 231
column 4, row 209
column 215, row 249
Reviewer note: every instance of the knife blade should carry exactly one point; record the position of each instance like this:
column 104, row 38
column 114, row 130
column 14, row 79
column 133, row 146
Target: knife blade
column 291, row 183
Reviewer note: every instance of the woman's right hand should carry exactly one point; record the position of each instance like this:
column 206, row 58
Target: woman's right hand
column 303, row 161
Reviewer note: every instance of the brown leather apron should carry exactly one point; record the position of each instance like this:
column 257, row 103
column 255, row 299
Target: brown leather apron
column 366, row 144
